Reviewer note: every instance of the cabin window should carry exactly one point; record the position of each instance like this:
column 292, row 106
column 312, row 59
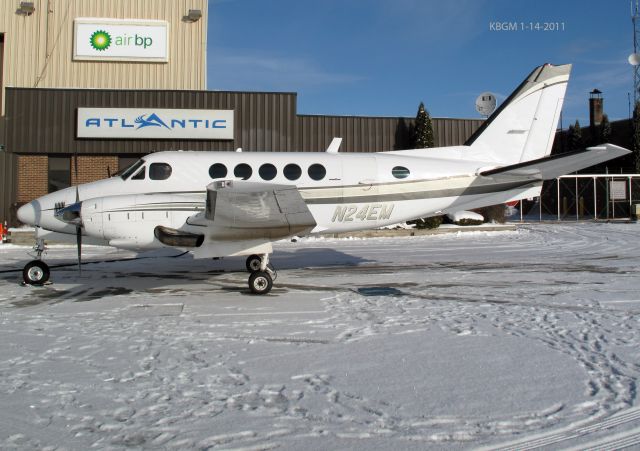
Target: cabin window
column 267, row 171
column 131, row 169
column 317, row 171
column 217, row 171
column 400, row 172
column 292, row 171
column 140, row 174
column 243, row 171
column 159, row 171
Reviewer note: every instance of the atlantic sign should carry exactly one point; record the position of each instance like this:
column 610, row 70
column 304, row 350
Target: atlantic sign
column 154, row 123
column 120, row 40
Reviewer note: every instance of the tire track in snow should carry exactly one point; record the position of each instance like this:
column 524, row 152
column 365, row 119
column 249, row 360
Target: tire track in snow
column 618, row 441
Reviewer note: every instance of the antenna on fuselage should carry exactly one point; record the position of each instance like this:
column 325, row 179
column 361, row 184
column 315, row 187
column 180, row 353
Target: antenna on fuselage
column 334, row 146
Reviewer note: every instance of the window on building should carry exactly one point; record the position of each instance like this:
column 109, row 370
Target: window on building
column 317, row 171
column 243, row 171
column 59, row 173
column 267, row 171
column 159, row 171
column 292, row 171
column 217, row 171
column 400, row 172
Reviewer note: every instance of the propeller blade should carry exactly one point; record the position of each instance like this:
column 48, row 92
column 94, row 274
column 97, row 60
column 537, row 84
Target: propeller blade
column 79, row 217
column 79, row 245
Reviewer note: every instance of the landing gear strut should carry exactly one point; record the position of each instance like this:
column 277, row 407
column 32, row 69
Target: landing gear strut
column 36, row 272
column 262, row 274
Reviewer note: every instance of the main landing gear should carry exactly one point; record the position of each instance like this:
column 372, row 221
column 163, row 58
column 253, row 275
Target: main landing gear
column 262, row 274
column 36, row 272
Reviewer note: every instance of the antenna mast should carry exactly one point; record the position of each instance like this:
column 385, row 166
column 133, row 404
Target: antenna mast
column 634, row 58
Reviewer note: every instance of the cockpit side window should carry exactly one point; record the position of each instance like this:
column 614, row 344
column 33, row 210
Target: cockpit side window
column 132, row 169
column 140, row 174
column 159, row 171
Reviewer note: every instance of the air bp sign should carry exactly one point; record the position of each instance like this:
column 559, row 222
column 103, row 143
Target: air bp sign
column 120, row 40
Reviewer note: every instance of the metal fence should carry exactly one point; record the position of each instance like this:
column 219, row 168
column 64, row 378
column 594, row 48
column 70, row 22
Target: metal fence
column 585, row 197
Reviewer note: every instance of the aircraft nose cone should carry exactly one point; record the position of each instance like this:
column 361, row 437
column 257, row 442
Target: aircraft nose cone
column 27, row 214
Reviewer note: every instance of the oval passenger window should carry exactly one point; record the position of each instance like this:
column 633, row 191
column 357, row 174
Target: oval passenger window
column 159, row 171
column 217, row 171
column 292, row 171
column 400, row 172
column 267, row 171
column 317, row 171
column 243, row 171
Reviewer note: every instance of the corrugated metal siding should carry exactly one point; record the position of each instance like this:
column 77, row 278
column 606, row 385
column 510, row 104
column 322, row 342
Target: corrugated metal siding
column 376, row 134
column 7, row 193
column 38, row 48
column 44, row 120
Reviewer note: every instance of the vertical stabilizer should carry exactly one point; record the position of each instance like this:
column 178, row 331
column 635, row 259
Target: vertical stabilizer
column 524, row 126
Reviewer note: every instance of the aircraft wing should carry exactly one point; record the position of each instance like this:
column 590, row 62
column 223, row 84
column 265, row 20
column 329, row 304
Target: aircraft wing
column 554, row 166
column 238, row 209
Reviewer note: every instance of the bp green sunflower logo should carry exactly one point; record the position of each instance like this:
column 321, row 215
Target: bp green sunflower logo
column 100, row 40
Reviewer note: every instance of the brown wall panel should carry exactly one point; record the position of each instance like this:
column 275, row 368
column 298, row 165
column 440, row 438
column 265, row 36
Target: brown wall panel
column 376, row 134
column 44, row 120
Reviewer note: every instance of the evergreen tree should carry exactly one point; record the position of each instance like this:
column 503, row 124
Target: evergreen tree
column 605, row 129
column 636, row 136
column 423, row 131
column 575, row 136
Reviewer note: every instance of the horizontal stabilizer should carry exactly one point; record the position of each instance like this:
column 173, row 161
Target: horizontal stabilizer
column 549, row 168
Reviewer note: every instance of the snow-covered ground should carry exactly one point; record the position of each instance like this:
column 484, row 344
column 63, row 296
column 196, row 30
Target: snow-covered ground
column 519, row 340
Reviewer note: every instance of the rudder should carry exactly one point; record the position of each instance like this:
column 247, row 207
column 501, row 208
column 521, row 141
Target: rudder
column 524, row 126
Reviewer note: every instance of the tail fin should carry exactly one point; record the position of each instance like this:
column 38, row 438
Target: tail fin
column 523, row 127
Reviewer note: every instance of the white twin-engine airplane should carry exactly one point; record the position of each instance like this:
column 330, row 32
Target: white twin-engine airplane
column 217, row 204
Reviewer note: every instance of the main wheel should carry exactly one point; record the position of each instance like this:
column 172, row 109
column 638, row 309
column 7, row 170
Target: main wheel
column 35, row 272
column 260, row 282
column 253, row 263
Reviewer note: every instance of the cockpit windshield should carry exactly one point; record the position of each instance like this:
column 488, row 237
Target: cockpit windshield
column 131, row 169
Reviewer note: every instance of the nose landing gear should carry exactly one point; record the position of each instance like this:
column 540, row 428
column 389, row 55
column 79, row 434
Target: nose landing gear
column 262, row 274
column 36, row 272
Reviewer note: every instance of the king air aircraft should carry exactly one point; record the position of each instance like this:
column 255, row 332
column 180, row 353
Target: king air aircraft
column 217, row 204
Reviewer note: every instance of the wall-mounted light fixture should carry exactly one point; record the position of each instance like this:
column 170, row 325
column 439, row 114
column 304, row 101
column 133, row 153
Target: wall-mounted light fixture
column 194, row 15
column 25, row 9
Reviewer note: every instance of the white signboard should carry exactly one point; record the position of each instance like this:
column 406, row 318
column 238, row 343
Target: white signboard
column 154, row 123
column 120, row 40
column 617, row 190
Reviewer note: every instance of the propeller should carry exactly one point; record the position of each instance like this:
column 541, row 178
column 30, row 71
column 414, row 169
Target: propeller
column 78, row 223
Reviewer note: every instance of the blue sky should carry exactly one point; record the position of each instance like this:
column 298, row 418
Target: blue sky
column 382, row 57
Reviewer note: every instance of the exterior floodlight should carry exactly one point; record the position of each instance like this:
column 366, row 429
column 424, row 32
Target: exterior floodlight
column 634, row 59
column 25, row 9
column 194, row 15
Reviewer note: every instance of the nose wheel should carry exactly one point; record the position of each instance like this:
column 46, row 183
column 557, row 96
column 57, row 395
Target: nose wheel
column 262, row 274
column 36, row 272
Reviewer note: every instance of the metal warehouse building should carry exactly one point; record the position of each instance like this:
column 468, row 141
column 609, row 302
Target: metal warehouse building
column 103, row 83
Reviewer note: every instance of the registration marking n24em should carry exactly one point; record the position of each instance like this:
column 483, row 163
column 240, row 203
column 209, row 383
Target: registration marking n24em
column 367, row 212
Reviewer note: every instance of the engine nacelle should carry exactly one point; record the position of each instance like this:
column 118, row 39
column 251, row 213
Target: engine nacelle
column 128, row 221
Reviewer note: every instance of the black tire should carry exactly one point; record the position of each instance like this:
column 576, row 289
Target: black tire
column 253, row 263
column 260, row 282
column 36, row 272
